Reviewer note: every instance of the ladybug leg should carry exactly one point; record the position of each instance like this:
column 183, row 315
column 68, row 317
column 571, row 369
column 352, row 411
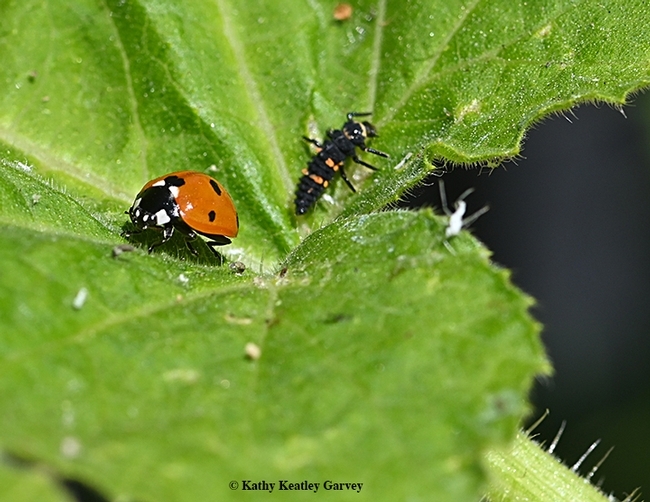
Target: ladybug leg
column 359, row 161
column 167, row 234
column 376, row 152
column 191, row 236
column 217, row 254
column 314, row 142
column 218, row 240
column 345, row 178
column 190, row 246
column 128, row 233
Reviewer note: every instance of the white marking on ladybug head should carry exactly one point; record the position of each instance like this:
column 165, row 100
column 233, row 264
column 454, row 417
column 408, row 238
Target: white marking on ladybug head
column 162, row 217
column 160, row 183
column 174, row 191
column 137, row 202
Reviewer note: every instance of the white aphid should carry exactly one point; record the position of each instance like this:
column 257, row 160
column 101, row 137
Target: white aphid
column 80, row 299
column 70, row 447
column 253, row 351
column 455, row 224
column 456, row 218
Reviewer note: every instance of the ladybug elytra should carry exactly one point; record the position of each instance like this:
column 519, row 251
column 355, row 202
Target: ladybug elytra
column 188, row 201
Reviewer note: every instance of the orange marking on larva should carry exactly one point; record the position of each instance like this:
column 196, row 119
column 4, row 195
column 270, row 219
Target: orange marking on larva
column 336, row 167
column 305, row 172
column 326, row 184
column 317, row 179
column 330, row 162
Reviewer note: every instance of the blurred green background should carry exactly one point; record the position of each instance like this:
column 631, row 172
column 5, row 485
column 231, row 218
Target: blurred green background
column 571, row 218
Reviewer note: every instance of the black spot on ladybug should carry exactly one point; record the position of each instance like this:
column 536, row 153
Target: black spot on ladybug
column 215, row 187
column 174, row 181
column 212, row 215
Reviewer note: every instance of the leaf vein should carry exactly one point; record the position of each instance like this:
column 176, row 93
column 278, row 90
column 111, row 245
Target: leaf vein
column 376, row 53
column 131, row 94
column 122, row 318
column 51, row 162
column 254, row 93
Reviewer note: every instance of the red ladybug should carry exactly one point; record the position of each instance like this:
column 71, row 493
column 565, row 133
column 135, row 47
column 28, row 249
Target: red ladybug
column 188, row 201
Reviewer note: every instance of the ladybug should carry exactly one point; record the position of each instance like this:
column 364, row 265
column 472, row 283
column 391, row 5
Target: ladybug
column 188, row 201
column 340, row 145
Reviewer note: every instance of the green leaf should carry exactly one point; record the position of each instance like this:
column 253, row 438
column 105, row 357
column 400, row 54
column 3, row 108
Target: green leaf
column 527, row 472
column 29, row 485
column 343, row 388
column 390, row 356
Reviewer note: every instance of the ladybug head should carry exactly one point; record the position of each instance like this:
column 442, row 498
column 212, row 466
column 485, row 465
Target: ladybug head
column 357, row 132
column 140, row 217
column 153, row 207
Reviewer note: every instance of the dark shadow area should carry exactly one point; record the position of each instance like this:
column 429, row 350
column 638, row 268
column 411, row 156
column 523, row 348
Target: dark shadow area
column 82, row 492
column 176, row 246
column 572, row 221
column 78, row 491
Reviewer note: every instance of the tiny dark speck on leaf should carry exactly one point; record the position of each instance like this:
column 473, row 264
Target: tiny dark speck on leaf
column 122, row 248
column 237, row 267
column 272, row 322
column 336, row 318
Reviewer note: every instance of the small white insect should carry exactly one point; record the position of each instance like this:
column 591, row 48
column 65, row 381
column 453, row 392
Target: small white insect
column 456, row 221
column 253, row 351
column 70, row 447
column 80, row 299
